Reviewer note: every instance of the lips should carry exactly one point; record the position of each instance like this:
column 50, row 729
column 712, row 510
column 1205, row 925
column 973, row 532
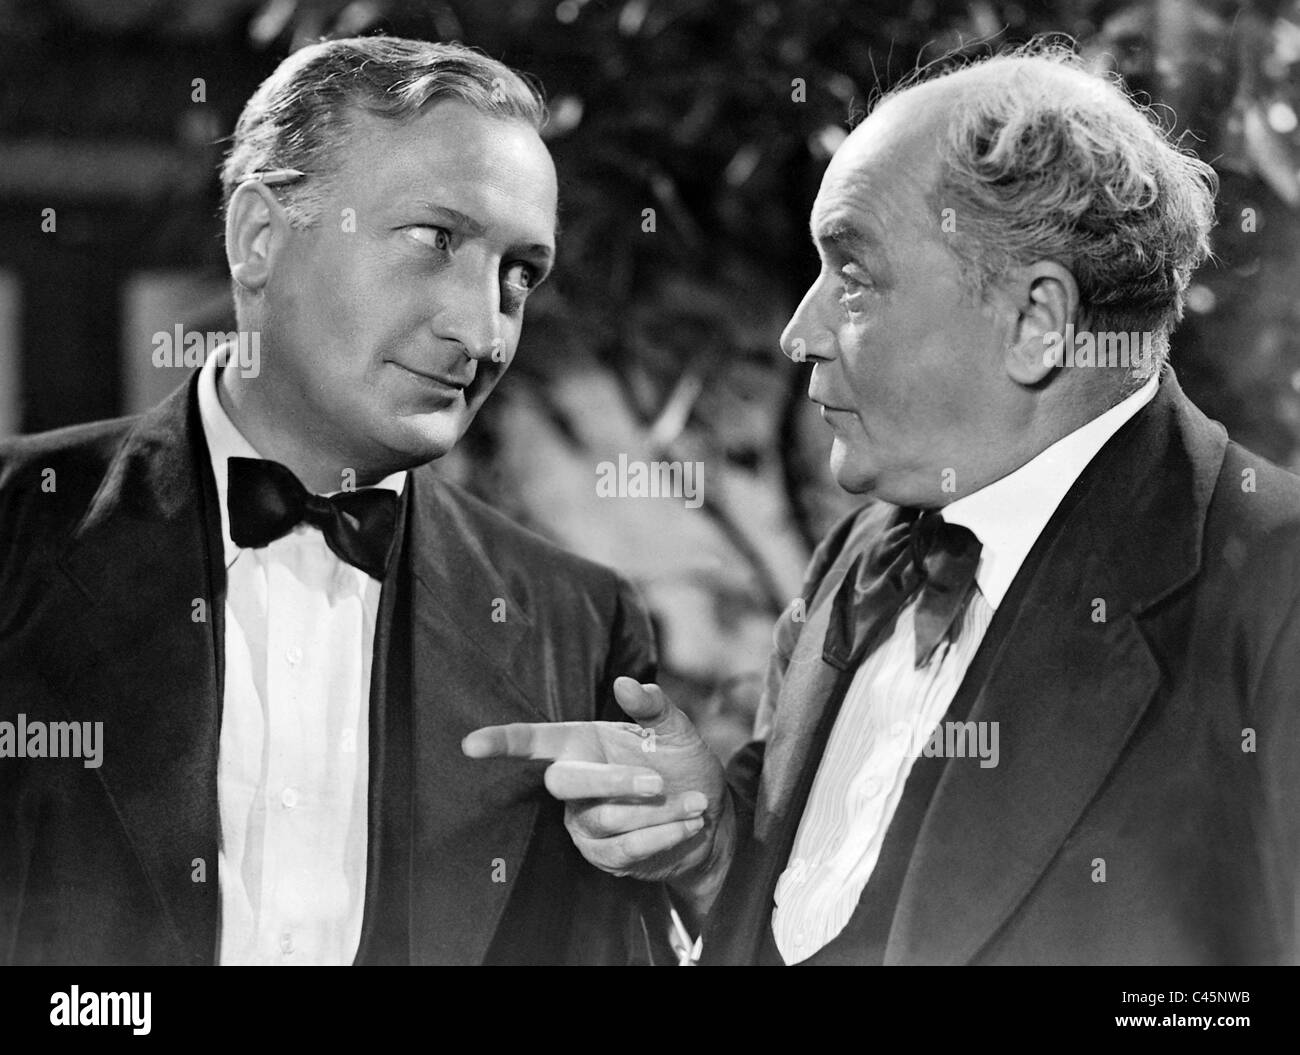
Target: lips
column 826, row 406
column 446, row 382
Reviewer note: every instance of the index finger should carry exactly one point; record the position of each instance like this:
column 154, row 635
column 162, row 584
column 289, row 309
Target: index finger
column 542, row 741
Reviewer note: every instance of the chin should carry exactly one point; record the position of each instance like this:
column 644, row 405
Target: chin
column 424, row 438
column 849, row 472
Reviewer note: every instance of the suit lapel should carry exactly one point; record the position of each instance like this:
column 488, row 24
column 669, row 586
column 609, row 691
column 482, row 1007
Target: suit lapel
column 806, row 692
column 136, row 631
column 809, row 686
column 472, row 819
column 385, row 932
column 810, row 694
column 1066, row 691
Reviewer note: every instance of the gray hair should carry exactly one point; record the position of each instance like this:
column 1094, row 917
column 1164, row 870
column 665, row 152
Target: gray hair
column 1057, row 162
column 299, row 115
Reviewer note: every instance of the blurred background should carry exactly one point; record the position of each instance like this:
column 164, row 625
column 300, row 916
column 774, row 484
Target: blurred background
column 720, row 116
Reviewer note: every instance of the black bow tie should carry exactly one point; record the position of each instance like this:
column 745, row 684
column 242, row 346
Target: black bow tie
column 921, row 551
column 266, row 501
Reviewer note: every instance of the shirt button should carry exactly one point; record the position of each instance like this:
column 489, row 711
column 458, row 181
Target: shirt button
column 293, row 656
column 286, row 942
column 289, row 798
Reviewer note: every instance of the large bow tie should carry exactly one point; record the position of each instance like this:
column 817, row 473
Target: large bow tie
column 266, row 501
column 921, row 551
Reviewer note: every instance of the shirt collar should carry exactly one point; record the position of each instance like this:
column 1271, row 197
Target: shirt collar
column 226, row 441
column 1008, row 515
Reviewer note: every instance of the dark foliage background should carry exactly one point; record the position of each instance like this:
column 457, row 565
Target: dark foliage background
column 719, row 117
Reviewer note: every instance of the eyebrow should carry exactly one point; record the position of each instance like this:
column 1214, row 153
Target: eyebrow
column 843, row 235
column 474, row 227
column 455, row 216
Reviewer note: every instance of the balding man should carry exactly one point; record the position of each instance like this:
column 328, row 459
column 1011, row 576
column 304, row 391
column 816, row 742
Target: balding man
column 1039, row 701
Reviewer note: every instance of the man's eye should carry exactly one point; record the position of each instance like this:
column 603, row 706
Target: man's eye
column 438, row 238
column 521, row 276
column 516, row 285
column 853, row 289
column 854, row 278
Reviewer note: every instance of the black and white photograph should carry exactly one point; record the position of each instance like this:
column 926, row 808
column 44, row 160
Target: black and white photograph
column 651, row 483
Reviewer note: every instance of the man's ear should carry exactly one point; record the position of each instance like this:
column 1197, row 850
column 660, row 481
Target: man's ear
column 254, row 225
column 1046, row 298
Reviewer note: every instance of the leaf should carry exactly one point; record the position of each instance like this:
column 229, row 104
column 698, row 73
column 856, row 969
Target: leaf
column 1270, row 155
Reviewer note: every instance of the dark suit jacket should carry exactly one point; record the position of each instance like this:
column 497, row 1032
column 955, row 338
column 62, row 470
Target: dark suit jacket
column 1164, row 741
column 468, row 861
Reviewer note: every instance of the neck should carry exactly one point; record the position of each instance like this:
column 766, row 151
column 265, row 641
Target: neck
column 282, row 433
column 1049, row 420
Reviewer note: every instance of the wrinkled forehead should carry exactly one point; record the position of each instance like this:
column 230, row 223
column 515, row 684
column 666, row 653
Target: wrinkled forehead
column 453, row 147
column 887, row 166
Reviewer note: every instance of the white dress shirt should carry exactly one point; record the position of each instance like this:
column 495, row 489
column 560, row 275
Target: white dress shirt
column 892, row 708
column 293, row 765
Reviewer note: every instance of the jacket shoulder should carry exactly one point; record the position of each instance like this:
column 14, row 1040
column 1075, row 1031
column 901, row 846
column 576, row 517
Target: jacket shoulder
column 47, row 481
column 82, row 451
column 563, row 591
column 1254, row 520
column 1267, row 493
column 1249, row 587
column 510, row 546
column 573, row 602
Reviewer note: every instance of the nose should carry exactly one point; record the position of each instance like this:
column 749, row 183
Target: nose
column 808, row 335
column 470, row 310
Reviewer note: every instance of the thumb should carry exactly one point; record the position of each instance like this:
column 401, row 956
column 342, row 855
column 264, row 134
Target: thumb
column 649, row 706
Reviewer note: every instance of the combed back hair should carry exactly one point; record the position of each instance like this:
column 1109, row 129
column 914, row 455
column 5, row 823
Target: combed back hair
column 300, row 114
column 1046, row 159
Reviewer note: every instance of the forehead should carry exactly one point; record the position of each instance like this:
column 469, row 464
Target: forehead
column 880, row 177
column 493, row 168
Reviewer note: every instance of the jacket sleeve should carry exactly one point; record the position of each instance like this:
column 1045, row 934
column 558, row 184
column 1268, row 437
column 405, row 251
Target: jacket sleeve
column 1275, row 712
